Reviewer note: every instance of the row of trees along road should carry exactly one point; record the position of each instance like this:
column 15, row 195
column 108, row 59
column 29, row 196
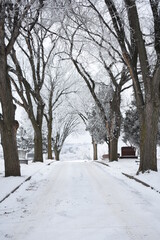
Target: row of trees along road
column 25, row 61
column 120, row 28
column 137, row 49
column 14, row 16
column 111, row 35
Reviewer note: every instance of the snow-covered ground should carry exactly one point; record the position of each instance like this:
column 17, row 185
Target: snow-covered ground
column 80, row 199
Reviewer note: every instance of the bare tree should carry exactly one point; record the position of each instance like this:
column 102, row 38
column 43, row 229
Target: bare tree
column 37, row 48
column 63, row 127
column 14, row 15
column 81, row 108
column 78, row 50
column 123, row 25
column 57, row 87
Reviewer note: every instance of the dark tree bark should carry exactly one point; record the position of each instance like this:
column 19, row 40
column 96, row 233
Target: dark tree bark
column 38, row 153
column 49, row 138
column 37, row 125
column 49, row 115
column 148, row 137
column 57, row 153
column 95, row 150
column 114, row 123
column 49, row 119
column 7, row 124
column 113, row 156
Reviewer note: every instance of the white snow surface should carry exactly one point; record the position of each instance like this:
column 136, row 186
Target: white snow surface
column 80, row 200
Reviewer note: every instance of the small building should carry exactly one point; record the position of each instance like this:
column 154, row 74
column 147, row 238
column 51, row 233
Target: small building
column 128, row 152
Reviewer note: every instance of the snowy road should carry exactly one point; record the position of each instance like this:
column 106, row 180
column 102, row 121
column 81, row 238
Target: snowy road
column 77, row 200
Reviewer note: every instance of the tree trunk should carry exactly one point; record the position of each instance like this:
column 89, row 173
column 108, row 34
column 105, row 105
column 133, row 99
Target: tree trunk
column 95, row 150
column 9, row 144
column 8, row 129
column 38, row 149
column 113, row 150
column 109, row 151
column 37, row 125
column 50, row 156
column 148, row 138
column 49, row 126
column 114, row 125
column 57, row 153
column 50, row 143
column 148, row 107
